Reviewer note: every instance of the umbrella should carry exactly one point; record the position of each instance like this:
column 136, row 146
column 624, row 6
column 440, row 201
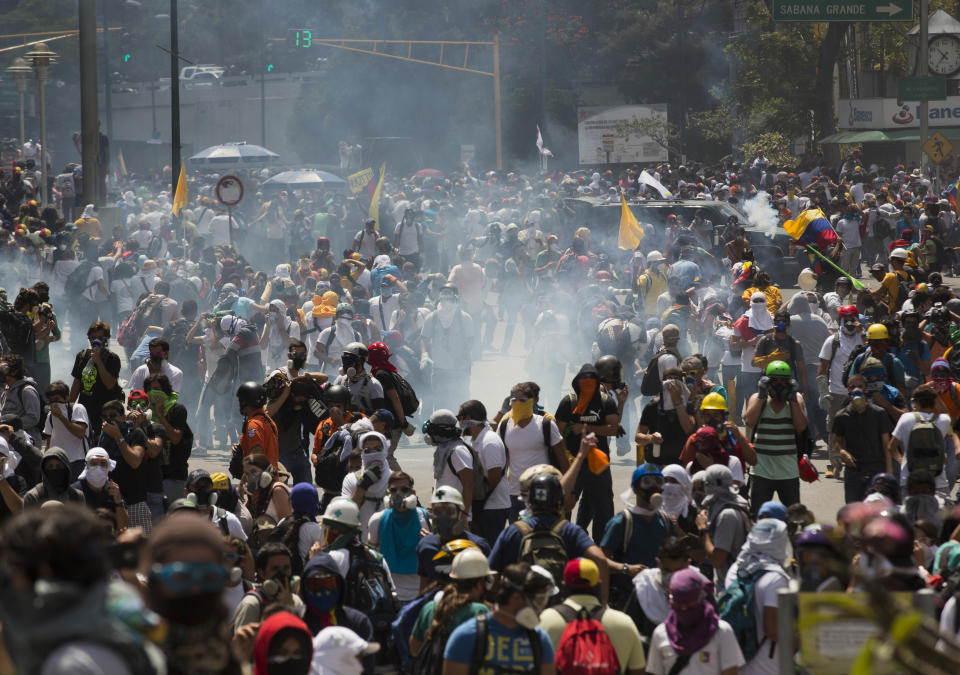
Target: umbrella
column 428, row 173
column 303, row 179
column 228, row 154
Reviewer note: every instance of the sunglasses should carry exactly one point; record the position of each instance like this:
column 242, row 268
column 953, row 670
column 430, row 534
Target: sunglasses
column 319, row 584
column 186, row 578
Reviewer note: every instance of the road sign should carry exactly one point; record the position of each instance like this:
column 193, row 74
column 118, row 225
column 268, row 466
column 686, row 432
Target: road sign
column 842, row 10
column 937, row 147
column 229, row 190
column 921, row 89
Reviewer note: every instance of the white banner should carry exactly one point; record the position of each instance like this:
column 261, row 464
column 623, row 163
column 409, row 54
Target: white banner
column 600, row 143
column 885, row 113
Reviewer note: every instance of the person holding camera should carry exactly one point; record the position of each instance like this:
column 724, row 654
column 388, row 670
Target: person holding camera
column 95, row 372
column 125, row 441
column 288, row 405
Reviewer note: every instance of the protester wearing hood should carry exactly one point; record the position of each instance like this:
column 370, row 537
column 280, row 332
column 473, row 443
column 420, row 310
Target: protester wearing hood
column 677, row 500
column 385, row 372
column 341, row 651
column 692, row 633
column 747, row 331
column 283, row 646
column 368, row 486
column 590, row 410
column 708, row 448
column 763, row 557
column 319, row 314
column 279, row 332
column 724, row 522
column 861, row 437
column 55, row 484
column 20, row 396
column 61, row 608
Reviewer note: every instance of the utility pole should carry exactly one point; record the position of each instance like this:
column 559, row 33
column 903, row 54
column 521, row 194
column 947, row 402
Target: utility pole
column 923, row 71
column 89, row 108
column 174, row 98
column 105, row 71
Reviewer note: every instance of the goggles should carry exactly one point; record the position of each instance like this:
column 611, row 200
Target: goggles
column 649, row 482
column 191, row 578
column 138, row 404
column 318, row 584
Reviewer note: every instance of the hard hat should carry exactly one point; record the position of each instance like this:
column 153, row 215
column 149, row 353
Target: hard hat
column 545, row 492
column 610, row 370
column 344, row 309
column 252, row 394
column 899, row 254
column 645, row 469
column 443, row 559
column 655, row 256
column 442, row 426
column 848, row 310
column 357, row 349
column 778, row 369
column 336, row 393
column 877, row 331
column 448, row 495
column 807, row 280
column 714, row 401
column 470, row 563
column 344, row 512
column 532, row 472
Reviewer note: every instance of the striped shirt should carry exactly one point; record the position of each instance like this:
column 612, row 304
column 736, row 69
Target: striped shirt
column 776, row 444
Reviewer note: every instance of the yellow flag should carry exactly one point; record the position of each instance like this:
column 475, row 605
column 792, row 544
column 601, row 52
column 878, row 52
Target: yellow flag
column 630, row 231
column 123, row 164
column 180, row 197
column 375, row 200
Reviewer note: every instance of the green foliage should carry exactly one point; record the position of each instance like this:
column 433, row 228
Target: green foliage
column 773, row 145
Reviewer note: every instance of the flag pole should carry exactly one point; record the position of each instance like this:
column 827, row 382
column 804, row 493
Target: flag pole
column 856, row 282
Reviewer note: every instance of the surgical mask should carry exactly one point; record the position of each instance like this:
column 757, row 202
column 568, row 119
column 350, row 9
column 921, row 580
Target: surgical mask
column 97, row 476
column 527, row 618
column 521, row 410
column 849, row 327
column 448, row 526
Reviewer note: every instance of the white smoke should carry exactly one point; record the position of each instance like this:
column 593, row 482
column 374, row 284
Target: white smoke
column 761, row 214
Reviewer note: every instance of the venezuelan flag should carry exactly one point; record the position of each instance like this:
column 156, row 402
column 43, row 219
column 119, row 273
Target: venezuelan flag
column 812, row 227
column 952, row 192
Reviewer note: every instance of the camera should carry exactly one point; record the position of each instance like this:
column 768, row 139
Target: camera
column 45, row 310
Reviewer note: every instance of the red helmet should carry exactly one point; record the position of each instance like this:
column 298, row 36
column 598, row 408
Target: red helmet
column 848, row 310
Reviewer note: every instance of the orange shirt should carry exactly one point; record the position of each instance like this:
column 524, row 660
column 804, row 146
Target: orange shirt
column 259, row 429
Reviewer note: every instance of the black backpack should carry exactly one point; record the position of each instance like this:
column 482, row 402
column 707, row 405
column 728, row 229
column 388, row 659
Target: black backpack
column 17, row 330
column 330, row 470
column 76, row 283
column 287, row 532
column 651, row 384
column 430, row 657
column 368, row 588
column 408, row 397
column 176, row 336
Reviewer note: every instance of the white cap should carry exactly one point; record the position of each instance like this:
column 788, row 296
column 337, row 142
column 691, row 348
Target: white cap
column 655, row 256
column 899, row 254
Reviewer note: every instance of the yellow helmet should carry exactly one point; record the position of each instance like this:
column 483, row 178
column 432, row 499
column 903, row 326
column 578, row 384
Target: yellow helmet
column 877, row 331
column 714, row 401
column 443, row 559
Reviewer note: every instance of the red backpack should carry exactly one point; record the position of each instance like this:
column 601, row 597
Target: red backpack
column 585, row 647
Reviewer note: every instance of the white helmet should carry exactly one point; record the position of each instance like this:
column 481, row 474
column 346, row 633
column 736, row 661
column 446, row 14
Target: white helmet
column 343, row 511
column 899, row 254
column 470, row 563
column 444, row 495
column 655, row 256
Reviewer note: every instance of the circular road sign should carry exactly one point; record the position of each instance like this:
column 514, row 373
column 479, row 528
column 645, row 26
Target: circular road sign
column 229, row 190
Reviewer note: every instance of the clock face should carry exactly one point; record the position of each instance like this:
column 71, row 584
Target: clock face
column 943, row 55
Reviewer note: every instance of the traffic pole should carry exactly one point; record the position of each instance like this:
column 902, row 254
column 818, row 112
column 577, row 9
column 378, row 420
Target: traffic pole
column 923, row 67
column 174, row 98
column 89, row 107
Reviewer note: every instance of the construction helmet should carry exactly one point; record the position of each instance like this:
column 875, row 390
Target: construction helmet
column 345, row 310
column 252, row 394
column 443, row 559
column 442, row 426
column 357, row 349
column 877, row 331
column 336, row 393
column 344, row 512
column 470, row 563
column 448, row 495
column 714, row 401
column 778, row 369
column 899, row 254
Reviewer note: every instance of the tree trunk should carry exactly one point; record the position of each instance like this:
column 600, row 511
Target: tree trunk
column 824, row 111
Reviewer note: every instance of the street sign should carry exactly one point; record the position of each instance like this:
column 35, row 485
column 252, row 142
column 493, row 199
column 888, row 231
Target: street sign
column 842, row 10
column 921, row 89
column 229, row 190
column 937, row 147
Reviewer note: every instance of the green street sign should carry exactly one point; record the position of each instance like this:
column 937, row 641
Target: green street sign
column 921, row 89
column 842, row 10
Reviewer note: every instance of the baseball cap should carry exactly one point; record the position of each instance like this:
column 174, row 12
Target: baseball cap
column 581, row 574
column 220, row 481
column 198, row 475
column 772, row 509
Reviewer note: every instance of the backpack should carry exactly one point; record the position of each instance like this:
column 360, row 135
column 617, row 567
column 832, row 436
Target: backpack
column 402, row 628
column 481, row 486
column 544, row 547
column 480, row 644
column 408, row 397
column 584, row 647
column 76, row 282
column 925, row 449
column 17, row 330
column 287, row 532
column 567, row 265
column 851, row 360
column 330, row 470
column 544, row 428
column 44, row 410
column 225, row 373
column 367, row 588
column 65, row 186
column 133, row 327
column 651, row 384
column 735, row 606
column 430, row 657
column 176, row 336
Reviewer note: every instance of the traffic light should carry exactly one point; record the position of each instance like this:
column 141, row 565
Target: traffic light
column 269, row 67
column 127, row 56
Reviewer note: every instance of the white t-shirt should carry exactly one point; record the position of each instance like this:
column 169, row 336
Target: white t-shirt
column 174, row 374
column 233, row 523
column 719, row 654
column 470, row 280
column 362, row 396
column 409, row 244
column 219, row 231
column 310, row 533
column 125, row 293
column 526, row 447
column 492, row 454
column 948, row 618
column 408, row 585
column 369, row 506
column 765, row 595
column 311, row 332
column 849, row 231
column 381, row 311
column 902, row 433
column 142, row 237
column 846, row 346
column 76, row 448
column 461, row 459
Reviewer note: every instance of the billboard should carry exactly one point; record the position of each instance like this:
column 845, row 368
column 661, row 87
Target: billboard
column 600, row 143
column 886, row 113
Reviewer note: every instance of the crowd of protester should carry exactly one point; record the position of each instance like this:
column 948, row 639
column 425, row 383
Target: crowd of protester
column 314, row 343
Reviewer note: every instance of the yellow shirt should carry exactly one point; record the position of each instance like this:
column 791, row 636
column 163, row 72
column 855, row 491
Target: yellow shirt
column 651, row 285
column 774, row 299
column 89, row 225
column 620, row 629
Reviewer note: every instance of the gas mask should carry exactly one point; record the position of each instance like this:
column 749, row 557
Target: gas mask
column 527, row 617
column 448, row 526
column 352, row 366
column 400, row 502
column 650, row 488
column 859, row 404
column 296, row 361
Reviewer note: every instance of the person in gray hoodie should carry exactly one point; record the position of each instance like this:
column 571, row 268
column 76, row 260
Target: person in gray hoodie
column 55, row 483
column 811, row 330
column 20, row 396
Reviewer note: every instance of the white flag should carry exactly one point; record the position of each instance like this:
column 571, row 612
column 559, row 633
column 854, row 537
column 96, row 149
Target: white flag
column 648, row 179
column 544, row 152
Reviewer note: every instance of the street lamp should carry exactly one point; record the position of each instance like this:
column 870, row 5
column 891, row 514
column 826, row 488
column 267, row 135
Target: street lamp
column 19, row 71
column 42, row 58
